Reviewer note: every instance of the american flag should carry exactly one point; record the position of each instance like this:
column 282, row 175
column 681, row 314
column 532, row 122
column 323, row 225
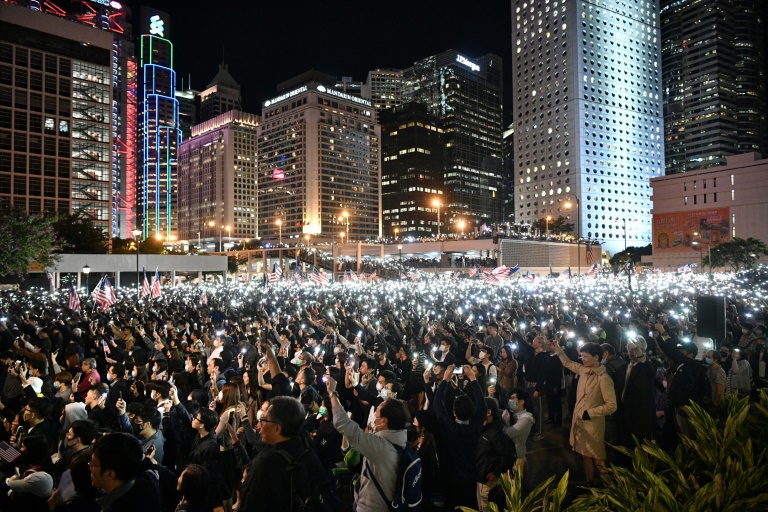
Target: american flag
column 50, row 279
column 276, row 273
column 74, row 300
column 593, row 270
column 413, row 276
column 372, row 276
column 473, row 271
column 489, row 278
column 104, row 295
column 156, row 289
column 529, row 276
column 8, row 453
column 353, row 276
column 685, row 269
column 298, row 277
column 318, row 277
column 657, row 270
column 590, row 257
column 565, row 275
column 506, row 273
column 499, row 270
column 144, row 284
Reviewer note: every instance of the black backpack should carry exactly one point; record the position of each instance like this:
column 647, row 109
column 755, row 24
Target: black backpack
column 407, row 497
column 320, row 497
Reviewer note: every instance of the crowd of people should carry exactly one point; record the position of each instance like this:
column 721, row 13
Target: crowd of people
column 294, row 396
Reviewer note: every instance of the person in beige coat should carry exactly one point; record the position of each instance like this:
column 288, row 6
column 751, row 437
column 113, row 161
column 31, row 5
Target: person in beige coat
column 595, row 399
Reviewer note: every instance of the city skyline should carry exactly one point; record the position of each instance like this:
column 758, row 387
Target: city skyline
column 305, row 43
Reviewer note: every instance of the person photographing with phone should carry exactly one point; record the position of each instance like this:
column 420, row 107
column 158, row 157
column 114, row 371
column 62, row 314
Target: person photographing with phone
column 461, row 433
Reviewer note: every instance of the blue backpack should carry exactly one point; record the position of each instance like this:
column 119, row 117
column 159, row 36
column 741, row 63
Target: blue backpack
column 407, row 496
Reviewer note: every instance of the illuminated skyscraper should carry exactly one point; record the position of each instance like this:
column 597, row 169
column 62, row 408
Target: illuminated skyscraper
column 55, row 115
column 221, row 95
column 318, row 158
column 466, row 96
column 120, row 160
column 159, row 133
column 217, row 180
column 384, row 87
column 714, row 76
column 587, row 115
column 411, row 170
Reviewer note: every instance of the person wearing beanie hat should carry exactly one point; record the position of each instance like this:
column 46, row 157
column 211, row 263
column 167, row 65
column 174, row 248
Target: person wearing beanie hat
column 637, row 402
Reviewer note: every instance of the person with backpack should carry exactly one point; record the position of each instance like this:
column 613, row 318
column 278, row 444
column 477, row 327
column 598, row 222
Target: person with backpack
column 391, row 474
column 287, row 475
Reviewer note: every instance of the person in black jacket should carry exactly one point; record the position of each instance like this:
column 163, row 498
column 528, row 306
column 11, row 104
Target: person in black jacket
column 116, row 467
column 458, row 438
column 534, row 365
column 205, row 452
column 494, row 453
column 637, row 401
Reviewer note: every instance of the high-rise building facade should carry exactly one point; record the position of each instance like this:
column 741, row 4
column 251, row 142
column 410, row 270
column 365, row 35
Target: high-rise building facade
column 318, row 159
column 587, row 115
column 159, row 133
column 411, row 170
column 384, row 87
column 508, row 197
column 466, row 95
column 713, row 65
column 189, row 111
column 112, row 17
column 217, row 180
column 221, row 95
column 55, row 115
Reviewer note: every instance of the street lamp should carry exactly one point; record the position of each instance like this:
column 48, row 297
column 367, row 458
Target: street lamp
column 397, row 231
column 345, row 215
column 400, row 250
column 279, row 224
column 709, row 251
column 137, row 236
column 86, row 271
column 437, row 203
column 549, row 218
column 568, row 206
column 461, row 227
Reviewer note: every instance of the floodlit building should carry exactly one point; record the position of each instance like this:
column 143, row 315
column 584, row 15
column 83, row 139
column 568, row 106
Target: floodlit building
column 588, row 126
column 217, row 181
column 318, row 160
column 56, row 111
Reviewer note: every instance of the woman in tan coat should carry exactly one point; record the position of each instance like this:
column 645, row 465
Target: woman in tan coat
column 595, row 399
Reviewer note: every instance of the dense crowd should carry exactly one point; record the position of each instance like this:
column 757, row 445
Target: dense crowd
column 293, row 396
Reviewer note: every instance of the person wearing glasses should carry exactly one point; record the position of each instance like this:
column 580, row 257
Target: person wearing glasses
column 288, row 469
column 205, row 452
column 116, row 467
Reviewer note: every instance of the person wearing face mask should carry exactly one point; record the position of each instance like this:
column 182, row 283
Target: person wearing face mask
column 382, row 361
column 484, row 358
column 739, row 376
column 443, row 353
column 77, row 440
column 715, row 376
column 495, row 454
column 519, row 420
column 117, row 385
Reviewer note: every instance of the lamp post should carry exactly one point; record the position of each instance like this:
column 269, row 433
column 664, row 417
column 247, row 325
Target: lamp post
column 568, row 206
column 437, row 203
column 625, row 232
column 400, row 250
column 229, row 235
column 198, row 241
column 345, row 216
column 279, row 224
column 87, row 272
column 397, row 230
column 137, row 237
column 549, row 218
column 701, row 255
column 461, row 227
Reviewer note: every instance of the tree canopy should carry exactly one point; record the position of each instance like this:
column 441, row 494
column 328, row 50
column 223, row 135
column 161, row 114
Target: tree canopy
column 738, row 253
column 28, row 240
column 79, row 235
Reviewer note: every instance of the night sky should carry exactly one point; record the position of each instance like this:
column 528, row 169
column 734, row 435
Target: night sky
column 267, row 42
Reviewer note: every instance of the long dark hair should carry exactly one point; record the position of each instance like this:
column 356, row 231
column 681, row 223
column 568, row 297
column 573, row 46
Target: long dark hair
column 37, row 452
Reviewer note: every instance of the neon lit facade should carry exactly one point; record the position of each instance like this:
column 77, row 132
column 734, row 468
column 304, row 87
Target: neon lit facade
column 588, row 115
column 160, row 137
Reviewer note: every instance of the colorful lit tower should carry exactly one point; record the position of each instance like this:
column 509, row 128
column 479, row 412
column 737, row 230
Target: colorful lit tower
column 159, row 133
